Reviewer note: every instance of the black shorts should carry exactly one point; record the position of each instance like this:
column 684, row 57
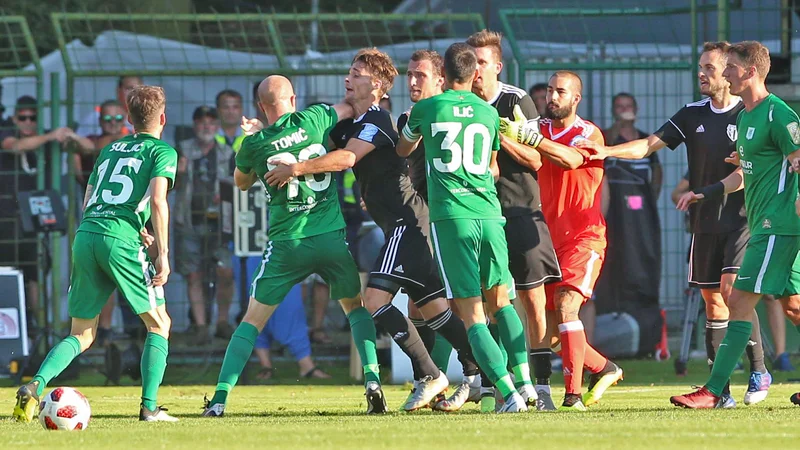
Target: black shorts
column 405, row 261
column 532, row 259
column 712, row 255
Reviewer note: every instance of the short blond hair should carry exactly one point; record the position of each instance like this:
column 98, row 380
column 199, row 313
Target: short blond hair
column 145, row 104
column 752, row 54
column 379, row 65
column 488, row 38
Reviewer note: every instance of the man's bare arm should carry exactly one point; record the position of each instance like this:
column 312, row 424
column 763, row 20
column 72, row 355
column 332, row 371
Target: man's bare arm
column 87, row 196
column 344, row 111
column 335, row 161
column 732, row 183
column 494, row 168
column 522, row 154
column 244, row 181
column 637, row 149
column 406, row 147
column 160, row 218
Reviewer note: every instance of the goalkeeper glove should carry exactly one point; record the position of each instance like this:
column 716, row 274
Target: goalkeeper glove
column 521, row 129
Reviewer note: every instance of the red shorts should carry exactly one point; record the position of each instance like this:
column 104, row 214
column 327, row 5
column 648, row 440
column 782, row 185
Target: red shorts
column 580, row 267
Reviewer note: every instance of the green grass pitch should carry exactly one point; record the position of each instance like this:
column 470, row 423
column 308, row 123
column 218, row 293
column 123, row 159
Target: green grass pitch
column 634, row 415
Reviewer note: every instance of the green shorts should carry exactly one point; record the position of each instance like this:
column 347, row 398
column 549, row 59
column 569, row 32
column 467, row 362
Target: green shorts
column 103, row 263
column 770, row 266
column 287, row 263
column 471, row 254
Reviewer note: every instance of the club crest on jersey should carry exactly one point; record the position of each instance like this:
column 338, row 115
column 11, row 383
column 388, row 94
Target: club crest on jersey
column 751, row 131
column 766, row 224
column 794, row 132
column 464, row 111
column 575, row 140
column 733, row 133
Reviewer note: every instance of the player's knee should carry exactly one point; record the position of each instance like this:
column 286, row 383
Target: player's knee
column 350, row 304
column 716, row 304
column 567, row 304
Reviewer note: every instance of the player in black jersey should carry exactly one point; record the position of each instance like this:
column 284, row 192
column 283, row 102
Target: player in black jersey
column 719, row 226
column 405, row 261
column 532, row 259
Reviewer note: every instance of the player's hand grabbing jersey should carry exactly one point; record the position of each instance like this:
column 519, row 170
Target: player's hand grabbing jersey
column 416, row 162
column 309, row 205
column 710, row 137
column 120, row 201
column 382, row 174
column 460, row 184
column 517, row 188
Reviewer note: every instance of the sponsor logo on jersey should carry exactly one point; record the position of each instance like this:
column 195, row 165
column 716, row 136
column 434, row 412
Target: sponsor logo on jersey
column 733, row 132
column 794, row 132
column 751, row 131
column 575, row 140
column 701, row 129
column 399, row 269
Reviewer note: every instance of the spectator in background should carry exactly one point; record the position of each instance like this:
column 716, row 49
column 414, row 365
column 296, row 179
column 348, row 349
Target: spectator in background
column 88, row 126
column 199, row 250
column 112, row 120
column 538, row 93
column 230, row 110
column 289, row 328
column 19, row 169
column 631, row 275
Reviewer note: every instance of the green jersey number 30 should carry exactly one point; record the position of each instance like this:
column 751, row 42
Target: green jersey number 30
column 462, row 156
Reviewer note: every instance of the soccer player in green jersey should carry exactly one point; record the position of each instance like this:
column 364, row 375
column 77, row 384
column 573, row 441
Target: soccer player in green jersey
column 306, row 234
column 130, row 178
column 460, row 133
column 767, row 148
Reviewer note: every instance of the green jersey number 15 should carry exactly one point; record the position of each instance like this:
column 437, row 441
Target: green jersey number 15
column 116, row 178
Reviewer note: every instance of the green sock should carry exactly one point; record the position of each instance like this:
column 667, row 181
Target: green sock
column 441, row 353
column 729, row 353
column 56, row 361
column 512, row 335
column 363, row 330
column 239, row 349
column 489, row 358
column 153, row 365
column 495, row 330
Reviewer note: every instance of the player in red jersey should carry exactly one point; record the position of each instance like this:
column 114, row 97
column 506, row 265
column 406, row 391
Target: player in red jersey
column 570, row 186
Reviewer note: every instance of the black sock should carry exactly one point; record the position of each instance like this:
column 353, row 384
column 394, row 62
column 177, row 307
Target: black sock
column 542, row 368
column 406, row 336
column 452, row 328
column 428, row 337
column 755, row 350
column 715, row 332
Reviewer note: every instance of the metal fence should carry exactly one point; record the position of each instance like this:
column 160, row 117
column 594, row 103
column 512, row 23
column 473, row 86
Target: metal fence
column 196, row 56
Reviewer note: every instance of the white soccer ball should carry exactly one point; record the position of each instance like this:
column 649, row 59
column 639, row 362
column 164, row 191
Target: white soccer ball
column 64, row 408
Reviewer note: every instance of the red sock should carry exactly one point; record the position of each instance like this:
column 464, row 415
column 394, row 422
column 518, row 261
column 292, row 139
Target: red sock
column 593, row 360
column 573, row 347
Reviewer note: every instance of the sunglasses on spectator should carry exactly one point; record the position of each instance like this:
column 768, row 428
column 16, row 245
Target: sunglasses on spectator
column 117, row 118
column 31, row 118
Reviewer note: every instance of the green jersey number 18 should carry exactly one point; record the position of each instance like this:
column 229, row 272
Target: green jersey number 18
column 293, row 188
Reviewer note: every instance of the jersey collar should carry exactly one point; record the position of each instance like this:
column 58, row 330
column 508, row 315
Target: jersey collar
column 725, row 109
column 496, row 94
